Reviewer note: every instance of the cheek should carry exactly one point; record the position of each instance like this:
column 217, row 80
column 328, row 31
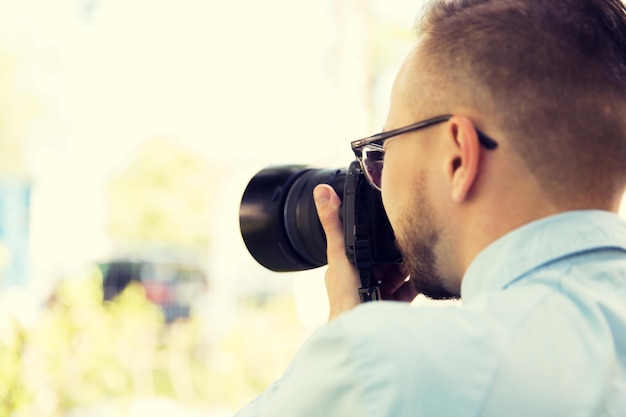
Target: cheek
column 389, row 203
column 396, row 189
column 389, row 185
column 402, row 183
column 393, row 169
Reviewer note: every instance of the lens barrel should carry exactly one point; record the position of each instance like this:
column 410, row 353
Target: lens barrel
column 278, row 219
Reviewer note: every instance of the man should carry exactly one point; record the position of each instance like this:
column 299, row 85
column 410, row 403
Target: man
column 508, row 200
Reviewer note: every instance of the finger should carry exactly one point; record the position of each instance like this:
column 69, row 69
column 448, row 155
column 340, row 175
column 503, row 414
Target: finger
column 391, row 276
column 389, row 285
column 394, row 283
column 341, row 278
column 405, row 292
column 327, row 204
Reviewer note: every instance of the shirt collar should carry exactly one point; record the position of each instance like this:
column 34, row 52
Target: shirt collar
column 520, row 251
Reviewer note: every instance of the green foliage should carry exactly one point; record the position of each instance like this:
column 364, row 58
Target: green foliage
column 163, row 196
column 255, row 352
column 83, row 352
column 13, row 391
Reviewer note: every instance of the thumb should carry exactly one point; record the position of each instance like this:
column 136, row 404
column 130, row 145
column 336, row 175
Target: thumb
column 342, row 280
column 327, row 204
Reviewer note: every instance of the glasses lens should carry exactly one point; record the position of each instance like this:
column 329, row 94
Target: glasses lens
column 373, row 164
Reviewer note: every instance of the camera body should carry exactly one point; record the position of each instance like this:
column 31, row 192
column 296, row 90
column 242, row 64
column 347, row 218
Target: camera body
column 281, row 229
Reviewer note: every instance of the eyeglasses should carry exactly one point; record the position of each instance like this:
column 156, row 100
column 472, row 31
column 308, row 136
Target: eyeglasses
column 371, row 154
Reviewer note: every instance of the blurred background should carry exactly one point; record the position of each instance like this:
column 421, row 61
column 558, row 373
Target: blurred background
column 128, row 132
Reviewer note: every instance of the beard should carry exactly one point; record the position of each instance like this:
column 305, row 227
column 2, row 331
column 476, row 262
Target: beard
column 416, row 240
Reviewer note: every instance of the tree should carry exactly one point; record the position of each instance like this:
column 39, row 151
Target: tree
column 162, row 197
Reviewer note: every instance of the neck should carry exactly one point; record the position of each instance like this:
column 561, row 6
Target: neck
column 509, row 211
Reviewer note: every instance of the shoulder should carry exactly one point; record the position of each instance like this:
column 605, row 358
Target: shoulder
column 392, row 359
column 447, row 358
column 428, row 358
column 442, row 327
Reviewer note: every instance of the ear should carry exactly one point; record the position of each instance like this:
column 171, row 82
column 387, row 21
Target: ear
column 463, row 163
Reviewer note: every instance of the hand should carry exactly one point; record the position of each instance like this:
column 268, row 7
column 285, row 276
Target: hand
column 394, row 284
column 342, row 278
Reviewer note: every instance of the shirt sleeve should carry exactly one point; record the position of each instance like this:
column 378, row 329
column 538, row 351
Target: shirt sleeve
column 387, row 359
column 322, row 380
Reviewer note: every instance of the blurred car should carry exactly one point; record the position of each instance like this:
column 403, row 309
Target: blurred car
column 171, row 285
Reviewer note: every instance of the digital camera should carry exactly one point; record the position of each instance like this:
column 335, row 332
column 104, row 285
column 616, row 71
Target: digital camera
column 281, row 229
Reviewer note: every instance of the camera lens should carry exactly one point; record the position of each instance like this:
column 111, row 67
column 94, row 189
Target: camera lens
column 278, row 219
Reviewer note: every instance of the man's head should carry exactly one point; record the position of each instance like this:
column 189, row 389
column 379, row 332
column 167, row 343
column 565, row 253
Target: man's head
column 549, row 74
column 547, row 80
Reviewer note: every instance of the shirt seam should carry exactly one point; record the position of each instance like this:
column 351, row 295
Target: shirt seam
column 557, row 258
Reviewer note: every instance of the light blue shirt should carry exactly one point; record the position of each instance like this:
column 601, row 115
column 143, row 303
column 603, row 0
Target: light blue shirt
column 541, row 332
